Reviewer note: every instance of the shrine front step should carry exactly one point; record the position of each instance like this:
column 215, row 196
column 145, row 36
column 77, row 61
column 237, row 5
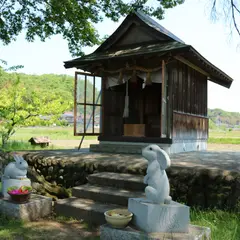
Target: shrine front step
column 118, row 180
column 83, row 209
column 103, row 192
column 128, row 148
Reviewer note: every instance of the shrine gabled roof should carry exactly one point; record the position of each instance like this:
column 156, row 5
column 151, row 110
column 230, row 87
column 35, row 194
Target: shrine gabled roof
column 158, row 32
column 134, row 50
column 153, row 24
column 154, row 39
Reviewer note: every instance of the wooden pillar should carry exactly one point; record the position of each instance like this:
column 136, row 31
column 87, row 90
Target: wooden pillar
column 75, row 104
column 103, row 84
column 170, row 104
column 163, row 120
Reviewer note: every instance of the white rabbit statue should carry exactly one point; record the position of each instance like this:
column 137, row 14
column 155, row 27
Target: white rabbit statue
column 158, row 188
column 17, row 169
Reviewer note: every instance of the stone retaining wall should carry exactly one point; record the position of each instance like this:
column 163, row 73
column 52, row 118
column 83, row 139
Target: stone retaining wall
column 194, row 186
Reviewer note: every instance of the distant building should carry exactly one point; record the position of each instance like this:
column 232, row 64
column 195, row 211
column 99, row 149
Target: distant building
column 68, row 117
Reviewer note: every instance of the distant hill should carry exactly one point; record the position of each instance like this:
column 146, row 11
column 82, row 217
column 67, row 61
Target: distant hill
column 221, row 118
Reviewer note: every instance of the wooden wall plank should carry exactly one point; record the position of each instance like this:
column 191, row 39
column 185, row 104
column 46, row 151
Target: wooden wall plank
column 189, row 127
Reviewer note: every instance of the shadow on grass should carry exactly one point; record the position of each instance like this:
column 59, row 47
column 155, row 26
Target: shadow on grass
column 45, row 229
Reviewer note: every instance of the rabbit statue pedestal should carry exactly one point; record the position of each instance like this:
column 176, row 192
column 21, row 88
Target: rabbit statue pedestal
column 9, row 182
column 150, row 217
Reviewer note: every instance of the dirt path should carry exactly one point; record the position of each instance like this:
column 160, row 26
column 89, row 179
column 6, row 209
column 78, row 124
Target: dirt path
column 223, row 147
column 73, row 143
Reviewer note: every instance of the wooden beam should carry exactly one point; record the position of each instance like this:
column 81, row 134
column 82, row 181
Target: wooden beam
column 185, row 61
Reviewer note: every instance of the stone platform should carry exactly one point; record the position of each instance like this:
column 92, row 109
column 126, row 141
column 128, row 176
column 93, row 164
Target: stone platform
column 37, row 207
column 130, row 233
column 213, row 178
column 212, row 160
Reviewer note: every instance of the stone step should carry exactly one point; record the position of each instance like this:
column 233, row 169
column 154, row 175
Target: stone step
column 106, row 194
column 86, row 209
column 118, row 180
column 114, row 148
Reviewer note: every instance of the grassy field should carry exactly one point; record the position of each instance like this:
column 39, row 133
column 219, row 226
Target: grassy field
column 224, row 137
column 224, row 226
column 224, row 134
column 66, row 133
column 56, row 133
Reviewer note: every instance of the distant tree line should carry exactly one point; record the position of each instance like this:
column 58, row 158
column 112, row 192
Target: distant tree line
column 220, row 118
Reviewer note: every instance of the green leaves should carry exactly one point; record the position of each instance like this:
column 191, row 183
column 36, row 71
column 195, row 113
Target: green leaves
column 73, row 19
column 22, row 105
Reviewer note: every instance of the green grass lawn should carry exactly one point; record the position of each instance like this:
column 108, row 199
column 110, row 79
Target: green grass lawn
column 55, row 133
column 17, row 145
column 66, row 133
column 224, row 140
column 19, row 141
column 224, row 137
column 224, row 226
column 224, row 134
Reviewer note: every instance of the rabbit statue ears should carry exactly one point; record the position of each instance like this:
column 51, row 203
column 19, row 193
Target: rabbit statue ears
column 163, row 158
column 17, row 158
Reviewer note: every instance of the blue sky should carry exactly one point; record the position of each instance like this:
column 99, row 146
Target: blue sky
column 190, row 22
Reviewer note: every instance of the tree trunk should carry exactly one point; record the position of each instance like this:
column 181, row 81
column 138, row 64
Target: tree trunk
column 59, row 192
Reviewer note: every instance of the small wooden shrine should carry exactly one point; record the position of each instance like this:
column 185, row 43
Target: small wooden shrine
column 153, row 90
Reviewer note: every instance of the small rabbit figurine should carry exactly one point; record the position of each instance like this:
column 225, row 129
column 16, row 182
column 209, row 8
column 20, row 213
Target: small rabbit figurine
column 158, row 188
column 16, row 170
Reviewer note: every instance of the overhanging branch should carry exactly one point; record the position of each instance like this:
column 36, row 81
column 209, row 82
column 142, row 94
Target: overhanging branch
column 233, row 7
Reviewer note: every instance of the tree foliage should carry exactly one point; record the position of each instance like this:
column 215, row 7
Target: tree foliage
column 221, row 117
column 73, row 19
column 23, row 106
